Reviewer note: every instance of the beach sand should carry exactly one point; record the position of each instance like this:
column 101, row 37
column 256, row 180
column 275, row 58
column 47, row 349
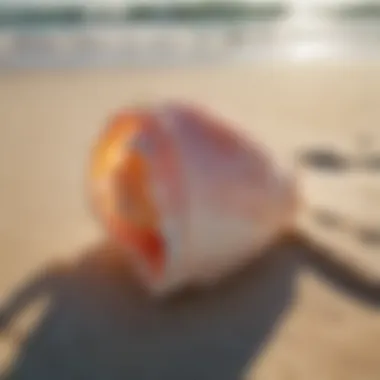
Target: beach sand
column 299, row 319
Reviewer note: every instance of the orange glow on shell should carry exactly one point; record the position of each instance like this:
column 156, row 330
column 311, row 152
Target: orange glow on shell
column 119, row 180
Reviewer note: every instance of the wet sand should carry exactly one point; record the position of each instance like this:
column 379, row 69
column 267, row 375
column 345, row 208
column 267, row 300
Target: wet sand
column 292, row 318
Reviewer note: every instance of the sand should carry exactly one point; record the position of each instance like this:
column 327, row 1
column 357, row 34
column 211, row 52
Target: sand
column 294, row 317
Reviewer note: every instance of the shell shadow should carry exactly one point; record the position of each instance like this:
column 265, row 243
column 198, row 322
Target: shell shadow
column 101, row 325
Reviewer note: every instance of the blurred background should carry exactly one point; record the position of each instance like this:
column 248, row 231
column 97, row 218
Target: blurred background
column 94, row 32
column 301, row 76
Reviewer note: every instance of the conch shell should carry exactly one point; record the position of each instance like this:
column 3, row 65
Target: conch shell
column 188, row 197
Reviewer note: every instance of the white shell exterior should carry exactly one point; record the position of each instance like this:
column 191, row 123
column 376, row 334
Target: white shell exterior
column 236, row 203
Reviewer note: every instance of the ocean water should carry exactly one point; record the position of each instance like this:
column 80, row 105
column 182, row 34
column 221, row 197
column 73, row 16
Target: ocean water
column 172, row 44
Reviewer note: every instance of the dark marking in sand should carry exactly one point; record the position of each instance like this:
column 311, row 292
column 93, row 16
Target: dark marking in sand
column 372, row 163
column 327, row 219
column 324, row 159
column 369, row 236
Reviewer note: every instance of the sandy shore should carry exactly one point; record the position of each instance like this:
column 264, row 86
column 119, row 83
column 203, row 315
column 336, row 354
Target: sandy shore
column 321, row 328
